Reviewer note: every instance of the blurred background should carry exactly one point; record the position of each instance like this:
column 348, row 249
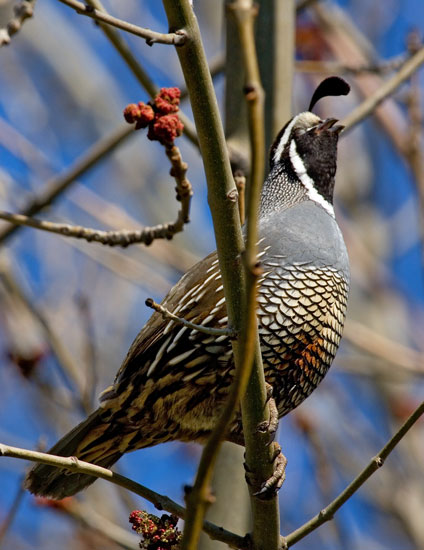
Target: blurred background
column 69, row 309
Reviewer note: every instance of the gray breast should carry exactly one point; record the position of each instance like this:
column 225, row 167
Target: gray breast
column 304, row 234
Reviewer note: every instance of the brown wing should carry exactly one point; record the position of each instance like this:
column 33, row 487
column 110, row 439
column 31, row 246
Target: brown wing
column 174, row 369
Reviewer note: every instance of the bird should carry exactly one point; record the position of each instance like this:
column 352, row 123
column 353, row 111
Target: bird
column 174, row 380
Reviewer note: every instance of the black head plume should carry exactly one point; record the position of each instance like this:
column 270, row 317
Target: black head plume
column 333, row 85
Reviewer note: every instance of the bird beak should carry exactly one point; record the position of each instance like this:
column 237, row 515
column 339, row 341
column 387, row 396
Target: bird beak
column 328, row 124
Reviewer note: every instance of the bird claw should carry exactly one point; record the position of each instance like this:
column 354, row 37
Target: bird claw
column 273, row 484
column 269, row 426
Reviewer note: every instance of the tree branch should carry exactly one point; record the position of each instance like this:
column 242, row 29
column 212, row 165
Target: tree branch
column 328, row 512
column 125, row 237
column 369, row 105
column 200, row 328
column 22, row 11
column 222, row 197
column 383, row 347
column 255, row 410
column 161, row 502
column 56, row 185
column 67, row 367
column 335, row 67
column 124, row 51
column 151, row 37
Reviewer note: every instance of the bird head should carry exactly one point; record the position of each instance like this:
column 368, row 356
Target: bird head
column 307, row 145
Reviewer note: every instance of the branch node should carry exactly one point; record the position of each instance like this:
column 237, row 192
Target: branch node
column 181, row 38
column 379, row 462
column 251, row 92
column 232, row 196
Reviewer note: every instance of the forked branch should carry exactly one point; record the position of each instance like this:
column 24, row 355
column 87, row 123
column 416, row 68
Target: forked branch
column 124, row 237
column 151, row 37
column 21, row 12
column 161, row 502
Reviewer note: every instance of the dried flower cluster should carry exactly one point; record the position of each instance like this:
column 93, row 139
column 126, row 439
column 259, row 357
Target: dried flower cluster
column 158, row 533
column 159, row 115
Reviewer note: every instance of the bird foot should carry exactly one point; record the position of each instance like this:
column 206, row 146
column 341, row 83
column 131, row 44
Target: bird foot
column 270, row 426
column 273, row 484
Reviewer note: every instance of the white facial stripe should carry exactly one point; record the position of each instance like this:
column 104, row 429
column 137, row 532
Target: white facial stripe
column 306, row 180
column 284, row 139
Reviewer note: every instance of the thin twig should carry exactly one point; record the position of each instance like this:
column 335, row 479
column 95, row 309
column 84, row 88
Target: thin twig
column 56, row 185
column 22, row 11
column 385, row 348
column 369, row 105
column 11, row 514
column 151, row 37
column 125, row 52
column 413, row 146
column 200, row 328
column 87, row 331
column 161, row 502
column 87, row 516
column 349, row 45
column 123, row 237
column 240, row 181
column 65, row 361
column 334, row 67
column 328, row 512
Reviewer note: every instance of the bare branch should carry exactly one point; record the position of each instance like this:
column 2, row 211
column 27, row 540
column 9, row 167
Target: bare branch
column 240, row 181
column 250, row 373
column 125, row 52
column 151, row 37
column 385, row 348
column 55, row 187
column 222, row 197
column 13, row 510
column 123, row 238
column 385, row 90
column 22, row 11
column 86, row 515
column 66, row 365
column 161, row 502
column 200, row 328
column 334, row 67
column 376, row 462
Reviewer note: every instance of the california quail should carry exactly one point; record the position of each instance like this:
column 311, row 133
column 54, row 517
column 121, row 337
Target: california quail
column 174, row 380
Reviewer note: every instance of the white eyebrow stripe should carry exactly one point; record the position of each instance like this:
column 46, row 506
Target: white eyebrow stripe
column 284, row 138
column 300, row 169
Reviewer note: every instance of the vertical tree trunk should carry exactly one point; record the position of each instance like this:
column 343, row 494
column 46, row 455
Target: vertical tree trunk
column 275, row 41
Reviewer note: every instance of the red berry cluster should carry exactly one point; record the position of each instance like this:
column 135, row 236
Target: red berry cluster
column 158, row 533
column 160, row 115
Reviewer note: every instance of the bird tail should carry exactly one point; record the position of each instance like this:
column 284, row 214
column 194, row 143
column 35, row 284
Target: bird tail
column 94, row 440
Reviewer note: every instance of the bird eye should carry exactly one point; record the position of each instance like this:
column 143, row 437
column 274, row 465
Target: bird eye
column 314, row 127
